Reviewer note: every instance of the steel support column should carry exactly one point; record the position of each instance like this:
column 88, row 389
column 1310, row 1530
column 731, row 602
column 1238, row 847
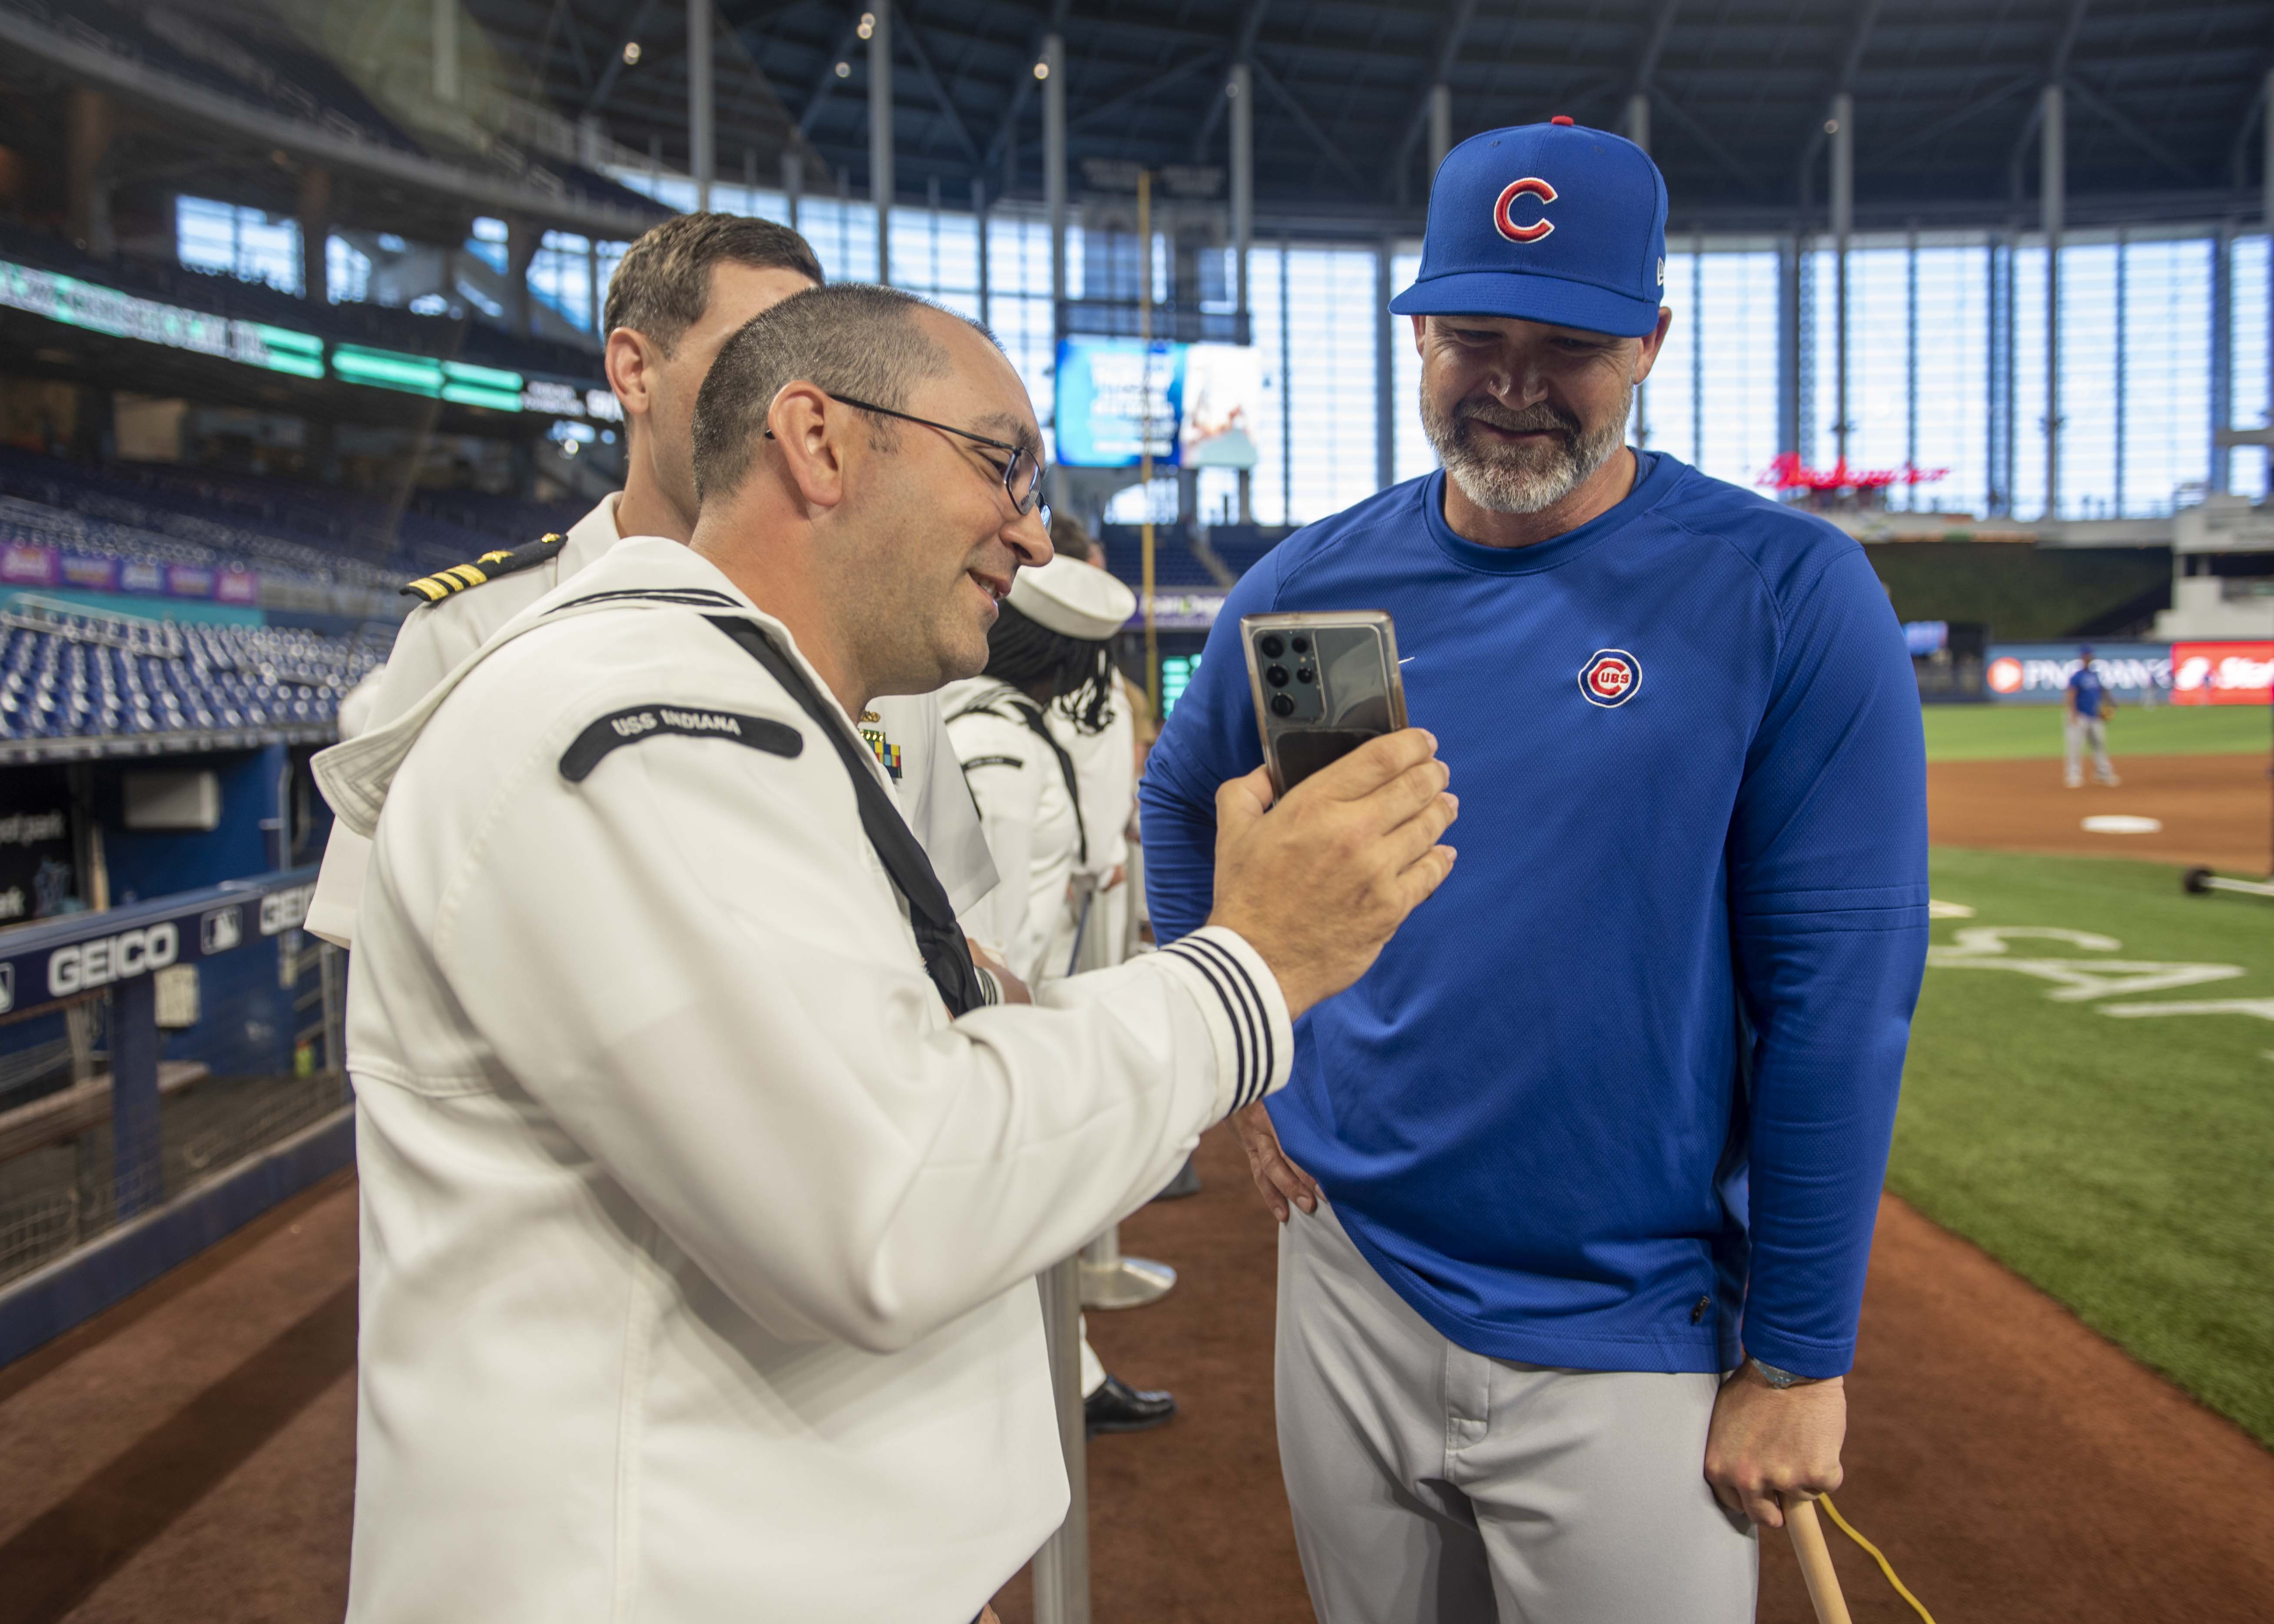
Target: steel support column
column 702, row 128
column 1385, row 368
column 314, row 217
column 1843, row 230
column 1636, row 122
column 2222, row 352
column 1240, row 89
column 880, row 134
column 979, row 230
column 1054, row 166
column 792, row 179
column 443, row 22
column 2052, row 200
column 1441, row 127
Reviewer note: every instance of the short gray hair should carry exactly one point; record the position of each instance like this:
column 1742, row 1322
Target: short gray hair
column 851, row 339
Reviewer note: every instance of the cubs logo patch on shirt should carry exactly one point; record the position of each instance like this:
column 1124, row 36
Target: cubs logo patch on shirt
column 1610, row 678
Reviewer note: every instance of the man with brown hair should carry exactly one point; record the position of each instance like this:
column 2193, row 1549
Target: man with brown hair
column 678, row 293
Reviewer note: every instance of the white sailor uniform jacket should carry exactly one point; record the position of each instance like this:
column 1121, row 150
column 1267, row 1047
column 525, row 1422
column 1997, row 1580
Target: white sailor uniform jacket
column 697, row 1237
column 440, row 634
column 1029, row 807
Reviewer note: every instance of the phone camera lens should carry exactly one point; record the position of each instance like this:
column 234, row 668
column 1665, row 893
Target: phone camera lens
column 1275, row 675
column 1303, row 673
column 1283, row 704
column 1302, row 645
column 1273, row 648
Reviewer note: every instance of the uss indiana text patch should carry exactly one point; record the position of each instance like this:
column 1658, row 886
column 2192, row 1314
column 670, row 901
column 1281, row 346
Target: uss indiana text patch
column 622, row 727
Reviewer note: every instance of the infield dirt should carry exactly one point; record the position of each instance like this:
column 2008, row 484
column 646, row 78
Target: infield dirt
column 2214, row 810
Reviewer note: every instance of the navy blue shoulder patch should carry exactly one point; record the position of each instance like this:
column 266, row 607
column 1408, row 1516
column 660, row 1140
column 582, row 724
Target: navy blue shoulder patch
column 622, row 728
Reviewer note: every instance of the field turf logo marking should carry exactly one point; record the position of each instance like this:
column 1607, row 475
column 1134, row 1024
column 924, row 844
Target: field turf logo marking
column 1610, row 678
column 2081, row 981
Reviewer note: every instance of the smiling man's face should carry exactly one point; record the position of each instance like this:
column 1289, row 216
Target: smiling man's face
column 1522, row 413
column 942, row 536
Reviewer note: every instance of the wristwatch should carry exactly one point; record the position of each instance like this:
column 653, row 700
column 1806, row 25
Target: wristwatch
column 1781, row 1378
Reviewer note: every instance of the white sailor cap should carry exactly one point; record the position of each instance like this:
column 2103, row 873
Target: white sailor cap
column 1073, row 599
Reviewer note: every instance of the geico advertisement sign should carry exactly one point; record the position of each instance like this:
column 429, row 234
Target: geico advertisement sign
column 2222, row 673
column 2038, row 673
column 112, row 958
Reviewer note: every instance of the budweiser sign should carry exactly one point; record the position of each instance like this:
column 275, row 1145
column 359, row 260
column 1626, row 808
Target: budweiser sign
column 2222, row 673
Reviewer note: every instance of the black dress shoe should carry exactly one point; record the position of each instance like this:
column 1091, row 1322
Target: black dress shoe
column 1187, row 1181
column 1116, row 1407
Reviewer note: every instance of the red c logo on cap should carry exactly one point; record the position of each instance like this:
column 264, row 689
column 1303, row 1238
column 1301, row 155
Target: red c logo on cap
column 1530, row 185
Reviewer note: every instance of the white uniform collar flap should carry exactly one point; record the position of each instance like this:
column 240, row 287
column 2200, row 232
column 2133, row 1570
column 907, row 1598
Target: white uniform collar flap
column 356, row 775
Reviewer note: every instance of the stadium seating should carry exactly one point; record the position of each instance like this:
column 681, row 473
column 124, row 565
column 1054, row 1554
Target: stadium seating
column 69, row 676
column 174, row 513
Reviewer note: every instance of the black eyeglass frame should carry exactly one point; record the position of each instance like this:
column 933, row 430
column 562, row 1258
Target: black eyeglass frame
column 1029, row 503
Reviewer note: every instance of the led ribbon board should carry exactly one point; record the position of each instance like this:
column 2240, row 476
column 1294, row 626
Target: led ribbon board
column 96, row 309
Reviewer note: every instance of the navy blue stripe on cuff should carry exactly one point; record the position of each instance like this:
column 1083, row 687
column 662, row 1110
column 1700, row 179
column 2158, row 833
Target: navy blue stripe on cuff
column 1266, row 1052
column 1243, row 1058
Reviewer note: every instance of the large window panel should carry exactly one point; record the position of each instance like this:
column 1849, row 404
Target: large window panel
column 1415, row 456
column 1953, row 389
column 237, row 242
column 2088, row 382
column 2166, row 372
column 1737, row 326
column 1330, row 373
column 1664, row 415
column 1878, row 361
column 2247, row 465
column 1269, row 485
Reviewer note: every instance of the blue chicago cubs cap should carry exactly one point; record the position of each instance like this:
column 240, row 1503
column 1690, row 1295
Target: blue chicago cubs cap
column 1549, row 222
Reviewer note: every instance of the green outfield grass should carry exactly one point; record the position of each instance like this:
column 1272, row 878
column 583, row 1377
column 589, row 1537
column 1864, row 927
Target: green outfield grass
column 2022, row 732
column 2126, row 1165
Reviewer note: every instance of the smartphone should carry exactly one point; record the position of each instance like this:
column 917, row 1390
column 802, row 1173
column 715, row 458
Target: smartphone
column 1324, row 684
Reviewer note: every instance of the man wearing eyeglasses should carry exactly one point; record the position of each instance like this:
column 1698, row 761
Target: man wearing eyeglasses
column 702, row 1194
column 678, row 294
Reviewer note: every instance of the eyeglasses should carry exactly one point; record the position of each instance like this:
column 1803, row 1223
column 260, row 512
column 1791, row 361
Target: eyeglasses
column 1022, row 475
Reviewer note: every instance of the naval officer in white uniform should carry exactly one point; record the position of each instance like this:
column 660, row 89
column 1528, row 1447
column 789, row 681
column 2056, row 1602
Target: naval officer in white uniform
column 701, row 1203
column 1047, row 677
column 677, row 295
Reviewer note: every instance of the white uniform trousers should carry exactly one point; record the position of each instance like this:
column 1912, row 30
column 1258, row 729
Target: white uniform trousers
column 2084, row 733
column 1432, row 1483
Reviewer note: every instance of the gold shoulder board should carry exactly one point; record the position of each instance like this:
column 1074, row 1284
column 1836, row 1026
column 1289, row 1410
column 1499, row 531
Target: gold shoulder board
column 489, row 567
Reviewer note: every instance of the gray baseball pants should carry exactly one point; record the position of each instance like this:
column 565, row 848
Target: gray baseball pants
column 1432, row 1484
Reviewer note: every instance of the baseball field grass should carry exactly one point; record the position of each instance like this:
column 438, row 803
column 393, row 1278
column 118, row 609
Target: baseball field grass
column 2028, row 732
column 2072, row 1106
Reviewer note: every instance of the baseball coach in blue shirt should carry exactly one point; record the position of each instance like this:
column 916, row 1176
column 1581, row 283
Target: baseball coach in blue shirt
column 1585, row 1169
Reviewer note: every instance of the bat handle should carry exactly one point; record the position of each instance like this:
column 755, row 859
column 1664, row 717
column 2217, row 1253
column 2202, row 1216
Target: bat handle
column 1815, row 1561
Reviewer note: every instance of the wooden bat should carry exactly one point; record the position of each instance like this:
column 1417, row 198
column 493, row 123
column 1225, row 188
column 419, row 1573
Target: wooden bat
column 1815, row 1562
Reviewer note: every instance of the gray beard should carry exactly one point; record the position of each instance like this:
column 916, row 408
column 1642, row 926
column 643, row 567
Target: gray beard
column 1520, row 479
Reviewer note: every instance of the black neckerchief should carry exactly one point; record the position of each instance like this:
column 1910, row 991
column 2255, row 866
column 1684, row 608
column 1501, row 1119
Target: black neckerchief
column 946, row 955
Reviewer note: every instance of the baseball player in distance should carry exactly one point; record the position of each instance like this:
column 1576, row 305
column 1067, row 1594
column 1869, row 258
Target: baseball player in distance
column 1582, row 1172
column 679, row 292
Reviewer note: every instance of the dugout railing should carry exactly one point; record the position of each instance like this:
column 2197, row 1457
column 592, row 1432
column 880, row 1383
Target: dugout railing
column 167, row 1071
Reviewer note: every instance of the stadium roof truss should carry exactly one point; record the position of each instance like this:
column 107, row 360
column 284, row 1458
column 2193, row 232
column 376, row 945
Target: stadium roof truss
column 2164, row 100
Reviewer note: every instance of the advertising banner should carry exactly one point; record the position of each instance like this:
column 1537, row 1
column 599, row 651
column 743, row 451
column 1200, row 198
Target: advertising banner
column 36, row 845
column 2222, row 673
column 90, row 574
column 24, row 563
column 2037, row 673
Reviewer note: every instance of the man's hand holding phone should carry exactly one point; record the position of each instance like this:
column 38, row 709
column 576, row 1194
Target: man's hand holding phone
column 1319, row 885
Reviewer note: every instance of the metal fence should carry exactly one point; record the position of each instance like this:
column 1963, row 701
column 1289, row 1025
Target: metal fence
column 148, row 1050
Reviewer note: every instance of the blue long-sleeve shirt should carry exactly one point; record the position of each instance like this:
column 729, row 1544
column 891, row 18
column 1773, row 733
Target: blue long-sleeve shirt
column 1686, row 740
